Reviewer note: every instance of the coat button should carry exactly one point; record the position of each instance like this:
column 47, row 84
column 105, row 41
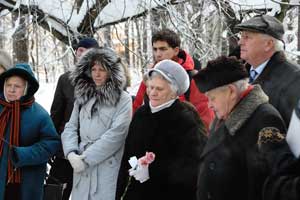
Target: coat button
column 212, row 165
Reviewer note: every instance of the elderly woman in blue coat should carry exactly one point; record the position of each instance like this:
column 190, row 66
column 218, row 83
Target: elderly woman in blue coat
column 27, row 136
column 94, row 137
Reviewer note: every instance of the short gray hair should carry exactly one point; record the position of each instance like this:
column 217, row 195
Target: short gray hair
column 241, row 85
column 172, row 85
column 278, row 44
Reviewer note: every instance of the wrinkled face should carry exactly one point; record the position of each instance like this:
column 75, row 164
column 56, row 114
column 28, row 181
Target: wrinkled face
column 159, row 91
column 99, row 74
column 162, row 51
column 253, row 46
column 221, row 101
column 79, row 52
column 14, row 88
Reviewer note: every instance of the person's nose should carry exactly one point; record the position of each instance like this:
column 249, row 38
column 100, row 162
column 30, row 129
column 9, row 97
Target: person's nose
column 241, row 41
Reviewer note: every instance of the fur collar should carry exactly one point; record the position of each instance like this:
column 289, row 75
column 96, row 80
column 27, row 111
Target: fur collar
column 85, row 88
column 245, row 108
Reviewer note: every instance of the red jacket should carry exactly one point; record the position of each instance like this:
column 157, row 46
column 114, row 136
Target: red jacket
column 198, row 99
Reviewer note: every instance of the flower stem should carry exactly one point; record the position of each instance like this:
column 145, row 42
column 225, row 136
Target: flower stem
column 127, row 186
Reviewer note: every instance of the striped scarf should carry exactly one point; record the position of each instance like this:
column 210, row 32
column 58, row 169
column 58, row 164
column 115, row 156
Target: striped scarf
column 11, row 111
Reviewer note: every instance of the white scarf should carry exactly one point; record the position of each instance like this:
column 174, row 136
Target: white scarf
column 162, row 106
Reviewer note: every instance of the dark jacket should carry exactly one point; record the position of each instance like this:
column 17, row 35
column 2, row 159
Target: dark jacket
column 280, row 80
column 231, row 165
column 38, row 142
column 193, row 95
column 176, row 136
column 284, row 182
column 63, row 102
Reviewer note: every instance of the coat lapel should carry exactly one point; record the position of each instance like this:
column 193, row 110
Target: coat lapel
column 216, row 138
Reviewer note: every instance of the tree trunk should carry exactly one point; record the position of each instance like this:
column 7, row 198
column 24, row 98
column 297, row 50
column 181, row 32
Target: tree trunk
column 1, row 36
column 127, row 36
column 107, row 37
column 20, row 39
column 139, row 43
column 145, row 44
column 298, row 34
column 133, row 45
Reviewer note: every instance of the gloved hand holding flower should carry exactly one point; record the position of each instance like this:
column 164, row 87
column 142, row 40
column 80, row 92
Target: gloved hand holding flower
column 141, row 170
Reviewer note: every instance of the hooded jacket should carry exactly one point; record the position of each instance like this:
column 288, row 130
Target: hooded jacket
column 101, row 117
column 38, row 140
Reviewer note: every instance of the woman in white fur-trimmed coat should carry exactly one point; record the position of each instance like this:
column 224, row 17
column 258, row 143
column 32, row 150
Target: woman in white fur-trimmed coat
column 102, row 113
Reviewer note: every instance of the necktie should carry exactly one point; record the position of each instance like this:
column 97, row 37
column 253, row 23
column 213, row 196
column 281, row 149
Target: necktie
column 253, row 75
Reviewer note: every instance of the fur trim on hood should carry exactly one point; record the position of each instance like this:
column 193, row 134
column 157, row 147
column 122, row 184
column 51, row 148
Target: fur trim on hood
column 85, row 88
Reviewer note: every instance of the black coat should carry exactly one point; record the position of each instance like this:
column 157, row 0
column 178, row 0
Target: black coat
column 63, row 101
column 232, row 168
column 176, row 136
column 280, row 80
column 284, row 182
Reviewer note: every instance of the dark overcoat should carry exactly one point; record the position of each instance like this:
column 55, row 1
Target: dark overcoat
column 176, row 136
column 231, row 165
column 280, row 80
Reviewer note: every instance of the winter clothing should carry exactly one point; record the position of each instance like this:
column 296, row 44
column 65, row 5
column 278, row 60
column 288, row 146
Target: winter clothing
column 219, row 72
column 5, row 60
column 174, row 73
column 87, row 43
column 101, row 117
column 60, row 113
column 193, row 95
column 176, row 136
column 280, row 80
column 284, row 183
column 34, row 140
column 63, row 102
column 263, row 24
column 231, row 166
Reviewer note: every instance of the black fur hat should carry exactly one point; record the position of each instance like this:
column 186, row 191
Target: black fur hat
column 221, row 71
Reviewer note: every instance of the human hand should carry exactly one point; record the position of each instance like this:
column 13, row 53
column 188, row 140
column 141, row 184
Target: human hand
column 141, row 173
column 77, row 162
column 140, row 167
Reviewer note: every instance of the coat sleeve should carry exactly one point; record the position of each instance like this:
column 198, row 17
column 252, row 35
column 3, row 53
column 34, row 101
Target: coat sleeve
column 40, row 151
column 58, row 106
column 284, row 183
column 69, row 136
column 139, row 98
column 113, row 139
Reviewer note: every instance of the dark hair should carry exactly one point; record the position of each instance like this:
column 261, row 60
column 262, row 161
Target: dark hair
column 168, row 36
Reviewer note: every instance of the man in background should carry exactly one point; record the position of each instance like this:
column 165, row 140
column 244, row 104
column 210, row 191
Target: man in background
column 166, row 45
column 262, row 47
column 60, row 111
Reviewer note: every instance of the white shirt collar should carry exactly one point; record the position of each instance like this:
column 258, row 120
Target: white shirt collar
column 260, row 68
column 162, row 106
